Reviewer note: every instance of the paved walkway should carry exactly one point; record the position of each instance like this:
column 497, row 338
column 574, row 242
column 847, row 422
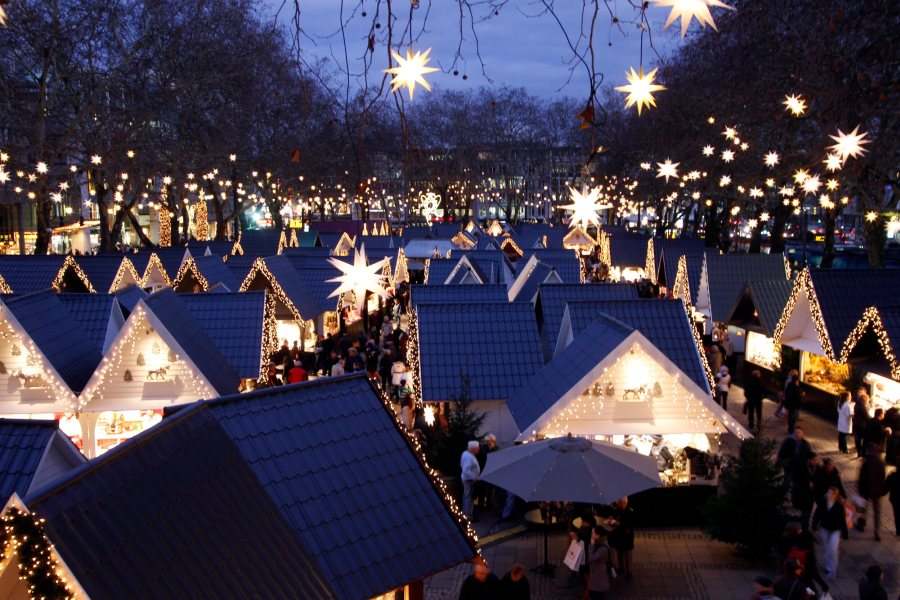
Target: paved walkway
column 685, row 564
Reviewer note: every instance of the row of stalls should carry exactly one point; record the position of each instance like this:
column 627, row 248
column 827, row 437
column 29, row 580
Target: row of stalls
column 310, row 491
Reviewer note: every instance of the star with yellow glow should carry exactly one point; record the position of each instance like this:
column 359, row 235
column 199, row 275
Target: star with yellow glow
column 708, row 150
column 585, row 205
column 727, row 156
column 832, row 163
column 4, row 175
column 812, row 184
column 832, row 185
column 755, row 192
column 725, row 181
column 640, row 89
column 871, row 216
column 849, row 145
column 646, row 166
column 410, row 71
column 667, row 169
column 691, row 9
column 730, row 133
column 786, row 191
column 795, row 104
column 800, row 175
column 359, row 277
column 772, row 159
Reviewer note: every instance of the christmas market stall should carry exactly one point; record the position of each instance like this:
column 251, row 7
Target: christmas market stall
column 173, row 349
column 33, row 452
column 255, row 472
column 204, row 272
column 872, row 350
column 47, row 355
column 819, row 325
column 753, row 320
column 532, row 274
column 567, row 263
column 668, row 252
column 480, row 267
column 632, row 257
column 631, row 373
column 26, row 274
column 438, row 269
column 473, row 351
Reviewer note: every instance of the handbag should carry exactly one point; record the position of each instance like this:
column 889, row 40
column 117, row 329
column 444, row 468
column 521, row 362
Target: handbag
column 574, row 555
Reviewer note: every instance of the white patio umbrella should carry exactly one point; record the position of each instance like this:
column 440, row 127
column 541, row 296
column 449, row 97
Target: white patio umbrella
column 571, row 469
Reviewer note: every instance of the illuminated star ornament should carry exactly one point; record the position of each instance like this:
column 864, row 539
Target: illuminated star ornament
column 833, row 163
column 708, row 150
column 691, row 9
column 849, row 145
column 640, row 89
column 410, row 71
column 358, row 278
column 772, row 159
column 667, row 169
column 795, row 104
column 584, row 207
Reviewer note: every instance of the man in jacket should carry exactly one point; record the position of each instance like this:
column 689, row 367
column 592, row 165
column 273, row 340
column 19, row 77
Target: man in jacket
column 871, row 485
column 753, row 392
column 470, row 474
column 793, row 398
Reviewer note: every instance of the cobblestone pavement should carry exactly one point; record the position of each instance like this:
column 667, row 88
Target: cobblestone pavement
column 685, row 564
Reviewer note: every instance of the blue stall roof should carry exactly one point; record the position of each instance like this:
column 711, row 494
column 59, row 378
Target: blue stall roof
column 93, row 312
column 494, row 348
column 23, row 443
column 455, row 294
column 27, row 274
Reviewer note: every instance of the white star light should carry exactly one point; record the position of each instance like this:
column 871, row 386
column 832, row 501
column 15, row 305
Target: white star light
column 725, row 181
column 832, row 163
column 730, row 133
column 691, row 9
column 708, row 150
column 359, row 277
column 795, row 104
column 4, row 175
column 96, row 159
column 849, row 145
column 584, row 207
column 727, row 156
column 667, row 169
column 640, row 88
column 812, row 184
column 772, row 159
column 410, row 71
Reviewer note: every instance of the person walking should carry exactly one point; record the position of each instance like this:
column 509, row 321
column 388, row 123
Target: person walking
column 514, row 585
column 297, row 373
column 892, row 487
column 877, row 432
column 470, row 474
column 871, row 485
column 870, row 586
column 723, row 384
column 753, row 393
column 621, row 539
column 793, row 398
column 860, row 421
column 844, row 421
column 831, row 521
column 598, row 564
column 481, row 584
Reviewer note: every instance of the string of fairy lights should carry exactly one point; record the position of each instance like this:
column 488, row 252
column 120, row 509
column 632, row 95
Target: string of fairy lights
column 24, row 536
column 872, row 321
column 803, row 287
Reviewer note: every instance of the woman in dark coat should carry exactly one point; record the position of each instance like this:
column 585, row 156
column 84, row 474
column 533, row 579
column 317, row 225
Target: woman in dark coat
column 598, row 563
column 621, row 539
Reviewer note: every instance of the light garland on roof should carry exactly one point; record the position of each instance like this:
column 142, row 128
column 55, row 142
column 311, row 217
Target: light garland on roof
column 401, row 273
column 69, row 263
column 871, row 319
column 154, row 262
column 508, row 242
column 126, row 269
column 4, row 287
column 803, row 285
column 39, row 570
column 412, row 357
column 605, row 249
column 427, row 269
column 259, row 268
column 189, row 267
column 269, row 335
column 681, row 288
column 444, row 494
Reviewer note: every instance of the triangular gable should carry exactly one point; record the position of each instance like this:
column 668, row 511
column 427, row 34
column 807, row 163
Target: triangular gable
column 465, row 272
column 4, row 287
column 155, row 275
column 463, row 241
column 29, row 379
column 633, row 389
column 401, row 272
column 188, row 275
column 344, row 245
column 681, row 288
column 126, row 275
column 873, row 322
column 524, row 274
column 578, row 239
column 18, row 517
column 801, row 325
column 702, row 302
column 146, row 368
column 69, row 274
column 261, row 270
column 510, row 246
column 495, row 229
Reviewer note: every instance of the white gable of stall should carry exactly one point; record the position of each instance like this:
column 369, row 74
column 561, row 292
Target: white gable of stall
column 145, row 369
column 635, row 389
column 800, row 330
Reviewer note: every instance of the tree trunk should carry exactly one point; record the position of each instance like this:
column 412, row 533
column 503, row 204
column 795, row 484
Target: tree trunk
column 777, row 234
column 876, row 237
column 146, row 242
column 185, row 224
column 828, row 251
column 43, row 225
column 711, row 238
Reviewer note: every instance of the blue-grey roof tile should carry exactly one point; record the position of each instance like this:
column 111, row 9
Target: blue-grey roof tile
column 101, row 270
column 260, row 242
column 164, row 514
column 215, row 271
column 493, row 348
column 628, row 250
column 552, row 299
column 27, row 274
column 768, row 298
column 439, row 270
column 728, row 273
column 234, row 323
column 128, row 298
column 455, row 294
column 23, row 443
column 537, row 277
column 565, row 262
column 93, row 312
column 335, row 463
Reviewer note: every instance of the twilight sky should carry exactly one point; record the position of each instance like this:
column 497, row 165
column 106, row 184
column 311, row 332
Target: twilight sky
column 518, row 50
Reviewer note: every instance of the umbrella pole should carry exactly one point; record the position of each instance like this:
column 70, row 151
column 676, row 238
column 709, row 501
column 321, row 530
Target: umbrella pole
column 546, row 569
